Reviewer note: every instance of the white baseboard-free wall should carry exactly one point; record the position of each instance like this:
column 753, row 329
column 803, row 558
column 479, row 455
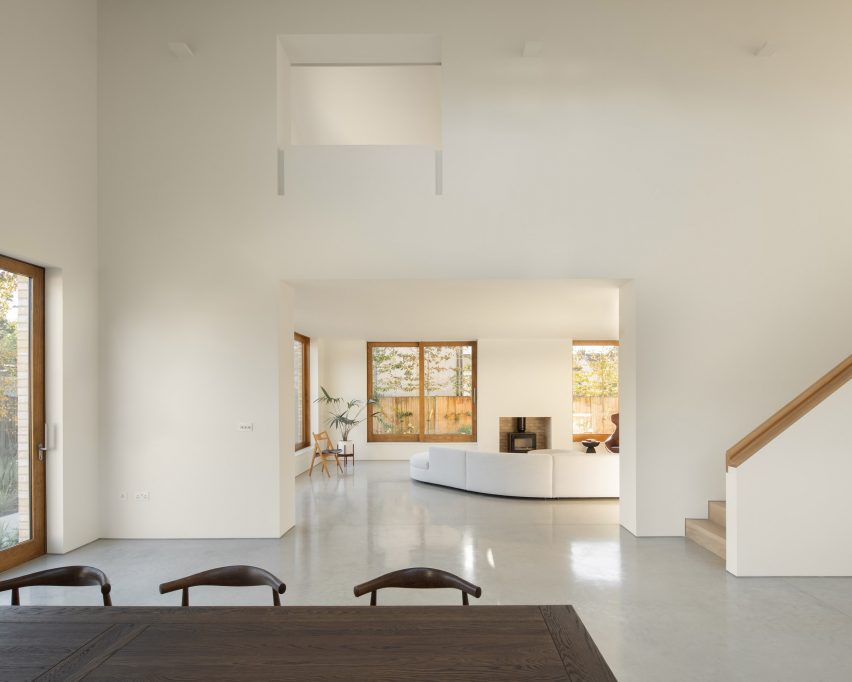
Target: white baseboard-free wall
column 645, row 144
column 49, row 217
column 789, row 510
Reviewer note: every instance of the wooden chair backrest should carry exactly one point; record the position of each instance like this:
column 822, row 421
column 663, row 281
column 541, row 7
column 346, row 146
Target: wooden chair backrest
column 418, row 578
column 66, row 576
column 322, row 436
column 227, row 576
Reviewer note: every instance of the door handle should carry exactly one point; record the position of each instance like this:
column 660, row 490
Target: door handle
column 42, row 447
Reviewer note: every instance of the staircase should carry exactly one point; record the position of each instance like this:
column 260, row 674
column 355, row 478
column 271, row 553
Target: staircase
column 709, row 532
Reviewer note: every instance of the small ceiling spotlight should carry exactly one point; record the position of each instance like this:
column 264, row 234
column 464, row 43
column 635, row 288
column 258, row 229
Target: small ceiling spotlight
column 181, row 50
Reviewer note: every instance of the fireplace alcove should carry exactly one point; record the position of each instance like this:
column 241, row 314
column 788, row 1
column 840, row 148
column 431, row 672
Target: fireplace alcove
column 522, row 434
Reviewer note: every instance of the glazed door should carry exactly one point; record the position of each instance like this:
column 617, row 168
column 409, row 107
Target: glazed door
column 22, row 421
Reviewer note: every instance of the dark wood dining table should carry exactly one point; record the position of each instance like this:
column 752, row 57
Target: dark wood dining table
column 298, row 643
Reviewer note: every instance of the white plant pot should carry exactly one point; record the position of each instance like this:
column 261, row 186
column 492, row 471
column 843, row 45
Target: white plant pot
column 347, row 447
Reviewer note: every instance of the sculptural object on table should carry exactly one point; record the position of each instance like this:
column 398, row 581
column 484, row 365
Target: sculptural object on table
column 611, row 443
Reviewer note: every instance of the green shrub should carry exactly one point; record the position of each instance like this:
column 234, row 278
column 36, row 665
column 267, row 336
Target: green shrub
column 8, row 536
column 8, row 485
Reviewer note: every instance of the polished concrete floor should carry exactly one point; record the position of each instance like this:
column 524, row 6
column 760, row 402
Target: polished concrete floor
column 658, row 608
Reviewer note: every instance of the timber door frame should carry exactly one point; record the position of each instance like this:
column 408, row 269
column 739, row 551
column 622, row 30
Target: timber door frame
column 37, row 544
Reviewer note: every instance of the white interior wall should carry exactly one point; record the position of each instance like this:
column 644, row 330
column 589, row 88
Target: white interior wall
column 789, row 509
column 647, row 143
column 48, row 216
column 525, row 378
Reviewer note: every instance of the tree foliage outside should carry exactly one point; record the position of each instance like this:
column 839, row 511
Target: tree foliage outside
column 447, row 386
column 595, row 388
column 447, row 370
column 596, row 371
column 8, row 395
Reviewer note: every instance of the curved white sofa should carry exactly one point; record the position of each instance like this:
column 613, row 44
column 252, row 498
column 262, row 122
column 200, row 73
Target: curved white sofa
column 540, row 473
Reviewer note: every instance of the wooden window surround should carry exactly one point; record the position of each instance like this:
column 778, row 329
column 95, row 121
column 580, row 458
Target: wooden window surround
column 577, row 437
column 304, row 391
column 37, row 544
column 428, row 416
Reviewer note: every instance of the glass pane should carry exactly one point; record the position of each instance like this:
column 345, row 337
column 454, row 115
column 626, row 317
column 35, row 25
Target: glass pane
column 298, row 388
column 595, row 388
column 15, row 512
column 448, row 379
column 396, row 387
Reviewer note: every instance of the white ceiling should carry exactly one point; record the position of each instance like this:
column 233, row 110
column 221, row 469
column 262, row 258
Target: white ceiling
column 447, row 310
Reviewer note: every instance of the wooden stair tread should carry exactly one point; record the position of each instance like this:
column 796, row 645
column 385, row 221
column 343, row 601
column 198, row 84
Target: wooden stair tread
column 707, row 534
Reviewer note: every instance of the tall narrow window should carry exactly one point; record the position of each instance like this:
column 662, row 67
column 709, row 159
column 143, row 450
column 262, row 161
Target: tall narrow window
column 301, row 388
column 425, row 391
column 22, row 424
column 595, row 388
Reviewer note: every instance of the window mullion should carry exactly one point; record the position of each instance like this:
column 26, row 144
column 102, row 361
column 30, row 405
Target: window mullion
column 422, row 401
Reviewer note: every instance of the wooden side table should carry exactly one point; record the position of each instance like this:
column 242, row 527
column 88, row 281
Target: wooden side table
column 343, row 455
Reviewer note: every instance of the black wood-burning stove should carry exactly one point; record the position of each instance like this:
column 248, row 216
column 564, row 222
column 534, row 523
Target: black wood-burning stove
column 520, row 440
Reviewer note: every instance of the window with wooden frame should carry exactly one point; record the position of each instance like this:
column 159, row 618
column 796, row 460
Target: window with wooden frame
column 301, row 388
column 424, row 391
column 595, row 388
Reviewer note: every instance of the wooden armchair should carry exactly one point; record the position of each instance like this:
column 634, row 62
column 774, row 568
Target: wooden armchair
column 418, row 578
column 67, row 576
column 324, row 451
column 227, row 576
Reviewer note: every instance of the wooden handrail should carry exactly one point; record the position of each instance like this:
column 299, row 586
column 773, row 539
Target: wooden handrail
column 790, row 413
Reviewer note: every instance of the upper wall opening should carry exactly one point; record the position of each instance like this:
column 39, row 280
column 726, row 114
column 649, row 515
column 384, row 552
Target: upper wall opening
column 365, row 89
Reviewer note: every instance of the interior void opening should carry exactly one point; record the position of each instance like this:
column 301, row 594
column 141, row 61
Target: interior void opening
column 378, row 90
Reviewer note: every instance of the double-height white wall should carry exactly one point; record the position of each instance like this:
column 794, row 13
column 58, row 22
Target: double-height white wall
column 647, row 143
column 49, row 217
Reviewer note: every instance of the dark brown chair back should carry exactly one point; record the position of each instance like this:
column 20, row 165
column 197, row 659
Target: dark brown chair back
column 611, row 443
column 66, row 576
column 418, row 578
column 227, row 576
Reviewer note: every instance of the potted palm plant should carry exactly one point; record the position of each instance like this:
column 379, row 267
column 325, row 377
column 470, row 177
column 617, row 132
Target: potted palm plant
column 344, row 415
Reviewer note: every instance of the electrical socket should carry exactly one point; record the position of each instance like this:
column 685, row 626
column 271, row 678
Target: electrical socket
column 143, row 496
column 245, row 427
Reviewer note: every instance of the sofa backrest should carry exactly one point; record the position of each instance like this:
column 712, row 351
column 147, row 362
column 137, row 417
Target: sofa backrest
column 447, row 466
